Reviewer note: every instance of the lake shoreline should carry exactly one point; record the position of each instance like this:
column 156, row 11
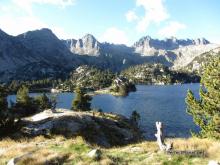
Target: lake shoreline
column 152, row 102
column 107, row 89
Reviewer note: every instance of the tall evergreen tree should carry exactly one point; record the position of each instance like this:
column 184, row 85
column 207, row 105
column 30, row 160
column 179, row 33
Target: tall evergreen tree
column 206, row 109
column 81, row 101
column 23, row 95
column 6, row 118
column 135, row 118
column 3, row 99
column 25, row 105
column 43, row 102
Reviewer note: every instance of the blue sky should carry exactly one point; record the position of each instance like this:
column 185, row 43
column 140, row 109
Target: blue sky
column 116, row 21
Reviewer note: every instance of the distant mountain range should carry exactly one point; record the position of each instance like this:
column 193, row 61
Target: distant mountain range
column 40, row 54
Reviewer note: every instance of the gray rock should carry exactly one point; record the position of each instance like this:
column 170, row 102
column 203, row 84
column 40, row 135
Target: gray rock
column 95, row 129
column 95, row 154
column 87, row 45
column 15, row 160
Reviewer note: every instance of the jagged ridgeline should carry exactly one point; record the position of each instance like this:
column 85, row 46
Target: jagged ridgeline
column 157, row 74
column 40, row 54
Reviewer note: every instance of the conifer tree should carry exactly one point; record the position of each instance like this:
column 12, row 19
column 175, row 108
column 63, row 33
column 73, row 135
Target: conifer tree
column 25, row 105
column 43, row 102
column 23, row 95
column 6, row 118
column 206, row 109
column 3, row 99
column 135, row 117
column 81, row 101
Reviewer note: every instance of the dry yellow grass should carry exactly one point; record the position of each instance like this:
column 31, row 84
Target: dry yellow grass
column 74, row 151
column 209, row 146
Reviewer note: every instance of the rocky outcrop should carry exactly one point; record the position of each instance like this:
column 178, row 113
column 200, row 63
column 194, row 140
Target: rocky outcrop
column 87, row 45
column 97, row 128
column 95, row 154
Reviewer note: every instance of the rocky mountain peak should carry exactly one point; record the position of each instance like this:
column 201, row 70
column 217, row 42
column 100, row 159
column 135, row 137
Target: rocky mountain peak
column 40, row 34
column 89, row 37
column 89, row 42
column 87, row 45
column 45, row 45
column 200, row 41
column 40, row 49
column 149, row 46
column 143, row 41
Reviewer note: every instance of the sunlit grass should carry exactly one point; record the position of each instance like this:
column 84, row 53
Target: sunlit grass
column 74, row 151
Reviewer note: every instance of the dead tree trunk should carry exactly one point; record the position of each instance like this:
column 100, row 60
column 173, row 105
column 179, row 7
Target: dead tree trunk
column 160, row 138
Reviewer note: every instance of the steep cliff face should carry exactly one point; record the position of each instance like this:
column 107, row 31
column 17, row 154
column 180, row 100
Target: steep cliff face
column 87, row 45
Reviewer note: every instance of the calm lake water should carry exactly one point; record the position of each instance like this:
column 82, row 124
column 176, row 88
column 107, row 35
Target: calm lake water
column 154, row 103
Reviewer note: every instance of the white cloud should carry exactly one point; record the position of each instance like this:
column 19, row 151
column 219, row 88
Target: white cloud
column 114, row 35
column 4, row 8
column 155, row 12
column 20, row 24
column 17, row 17
column 171, row 29
column 27, row 4
column 131, row 16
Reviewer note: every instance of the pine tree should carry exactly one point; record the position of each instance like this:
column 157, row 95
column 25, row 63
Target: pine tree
column 135, row 117
column 81, row 101
column 3, row 99
column 6, row 118
column 25, row 105
column 206, row 110
column 23, row 95
column 43, row 102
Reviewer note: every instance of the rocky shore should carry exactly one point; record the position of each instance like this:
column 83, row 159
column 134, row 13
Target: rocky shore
column 103, row 129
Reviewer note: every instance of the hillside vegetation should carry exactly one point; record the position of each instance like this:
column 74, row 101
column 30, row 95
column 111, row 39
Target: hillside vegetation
column 157, row 74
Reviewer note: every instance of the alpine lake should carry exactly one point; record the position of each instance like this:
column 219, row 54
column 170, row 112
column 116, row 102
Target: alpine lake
column 165, row 103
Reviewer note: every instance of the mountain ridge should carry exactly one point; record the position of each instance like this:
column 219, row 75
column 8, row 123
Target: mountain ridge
column 42, row 50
